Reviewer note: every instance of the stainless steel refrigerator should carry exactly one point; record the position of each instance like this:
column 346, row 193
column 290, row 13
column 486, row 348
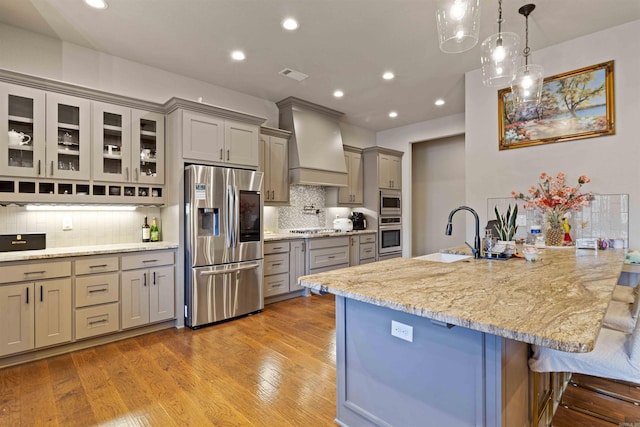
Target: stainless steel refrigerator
column 223, row 248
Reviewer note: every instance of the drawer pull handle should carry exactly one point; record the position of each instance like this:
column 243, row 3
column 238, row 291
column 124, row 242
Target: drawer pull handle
column 96, row 322
column 98, row 266
column 441, row 323
column 331, row 257
column 91, row 291
column 150, row 260
column 35, row 272
column 276, row 264
column 277, row 286
column 278, row 248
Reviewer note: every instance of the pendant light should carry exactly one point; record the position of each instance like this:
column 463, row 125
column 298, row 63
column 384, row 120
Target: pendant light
column 458, row 24
column 499, row 56
column 527, row 85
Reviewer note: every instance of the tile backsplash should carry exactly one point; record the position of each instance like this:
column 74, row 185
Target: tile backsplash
column 606, row 217
column 89, row 227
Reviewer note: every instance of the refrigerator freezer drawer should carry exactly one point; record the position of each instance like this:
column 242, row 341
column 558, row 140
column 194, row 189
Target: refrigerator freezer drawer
column 223, row 292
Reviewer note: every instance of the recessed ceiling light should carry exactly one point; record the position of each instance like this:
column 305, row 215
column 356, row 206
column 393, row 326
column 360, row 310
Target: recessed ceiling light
column 338, row 94
column 238, row 55
column 393, row 114
column 290, row 24
column 439, row 102
column 388, row 75
column 97, row 4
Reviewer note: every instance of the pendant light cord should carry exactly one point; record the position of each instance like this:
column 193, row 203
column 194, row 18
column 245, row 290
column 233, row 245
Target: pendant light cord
column 500, row 17
column 526, row 40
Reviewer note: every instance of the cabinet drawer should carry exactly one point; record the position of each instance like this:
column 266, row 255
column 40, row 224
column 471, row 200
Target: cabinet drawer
column 34, row 271
column 328, row 257
column 276, row 247
column 367, row 250
column 96, row 289
column 98, row 320
column 147, row 259
column 368, row 238
column 276, row 284
column 96, row 265
column 276, row 264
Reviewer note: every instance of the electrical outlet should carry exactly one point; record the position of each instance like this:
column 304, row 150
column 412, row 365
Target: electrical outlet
column 402, row 331
column 521, row 220
column 67, row 223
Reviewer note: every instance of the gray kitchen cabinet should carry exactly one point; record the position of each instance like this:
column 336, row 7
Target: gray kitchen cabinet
column 36, row 312
column 297, row 263
column 362, row 249
column 353, row 193
column 390, row 172
column 147, row 288
column 129, row 145
column 53, row 312
column 284, row 262
column 384, row 166
column 97, row 293
column 16, row 316
column 327, row 253
column 274, row 162
column 214, row 139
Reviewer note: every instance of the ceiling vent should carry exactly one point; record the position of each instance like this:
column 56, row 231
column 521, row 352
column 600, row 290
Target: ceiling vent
column 293, row 74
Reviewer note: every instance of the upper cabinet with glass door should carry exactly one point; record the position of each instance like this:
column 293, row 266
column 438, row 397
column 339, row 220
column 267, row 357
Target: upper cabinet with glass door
column 112, row 142
column 147, row 147
column 22, row 131
column 68, row 137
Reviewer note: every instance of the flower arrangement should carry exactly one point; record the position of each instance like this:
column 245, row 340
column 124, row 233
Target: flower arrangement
column 554, row 197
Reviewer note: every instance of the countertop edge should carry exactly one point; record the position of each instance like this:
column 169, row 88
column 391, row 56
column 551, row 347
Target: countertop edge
column 567, row 346
column 75, row 251
column 293, row 236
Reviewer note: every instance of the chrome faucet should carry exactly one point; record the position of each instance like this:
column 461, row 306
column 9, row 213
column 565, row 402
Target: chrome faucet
column 476, row 244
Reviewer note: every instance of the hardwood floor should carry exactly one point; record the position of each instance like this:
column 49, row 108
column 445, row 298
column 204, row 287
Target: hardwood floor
column 276, row 368
column 273, row 368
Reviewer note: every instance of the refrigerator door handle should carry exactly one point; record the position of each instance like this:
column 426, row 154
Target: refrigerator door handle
column 230, row 270
column 228, row 218
column 236, row 216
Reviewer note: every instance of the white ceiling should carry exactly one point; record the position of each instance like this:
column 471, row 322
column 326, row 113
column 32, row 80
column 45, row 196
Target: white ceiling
column 341, row 44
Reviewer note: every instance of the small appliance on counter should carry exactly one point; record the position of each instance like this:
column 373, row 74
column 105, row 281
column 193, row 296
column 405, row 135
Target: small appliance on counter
column 22, row 242
column 359, row 221
column 342, row 224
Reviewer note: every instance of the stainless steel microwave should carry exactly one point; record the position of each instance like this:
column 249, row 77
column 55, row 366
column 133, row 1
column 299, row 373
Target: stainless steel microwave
column 390, row 203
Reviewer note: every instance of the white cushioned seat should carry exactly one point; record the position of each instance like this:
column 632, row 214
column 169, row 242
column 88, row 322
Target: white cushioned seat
column 624, row 294
column 616, row 355
column 622, row 316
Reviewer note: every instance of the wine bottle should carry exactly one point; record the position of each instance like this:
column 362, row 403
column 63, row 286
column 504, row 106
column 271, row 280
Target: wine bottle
column 155, row 233
column 146, row 231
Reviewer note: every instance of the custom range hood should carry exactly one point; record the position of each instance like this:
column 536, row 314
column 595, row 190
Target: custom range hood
column 316, row 156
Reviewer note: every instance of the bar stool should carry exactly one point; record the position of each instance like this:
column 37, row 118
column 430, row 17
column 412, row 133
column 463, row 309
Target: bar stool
column 616, row 355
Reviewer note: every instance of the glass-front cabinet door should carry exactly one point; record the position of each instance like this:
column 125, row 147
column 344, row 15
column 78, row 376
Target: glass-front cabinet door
column 68, row 137
column 147, row 147
column 112, row 143
column 22, row 122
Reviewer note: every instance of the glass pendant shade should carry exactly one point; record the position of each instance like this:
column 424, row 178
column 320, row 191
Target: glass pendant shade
column 527, row 86
column 499, row 58
column 458, row 24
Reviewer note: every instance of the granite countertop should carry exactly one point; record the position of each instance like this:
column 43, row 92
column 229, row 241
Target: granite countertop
column 557, row 302
column 84, row 250
column 269, row 237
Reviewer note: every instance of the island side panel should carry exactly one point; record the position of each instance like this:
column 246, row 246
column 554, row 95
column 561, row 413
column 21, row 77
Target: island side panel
column 442, row 376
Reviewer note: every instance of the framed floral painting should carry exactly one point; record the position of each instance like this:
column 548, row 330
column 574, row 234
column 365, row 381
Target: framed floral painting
column 575, row 105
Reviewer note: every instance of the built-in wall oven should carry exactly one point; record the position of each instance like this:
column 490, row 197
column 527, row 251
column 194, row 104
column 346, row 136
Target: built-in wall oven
column 389, row 235
column 390, row 203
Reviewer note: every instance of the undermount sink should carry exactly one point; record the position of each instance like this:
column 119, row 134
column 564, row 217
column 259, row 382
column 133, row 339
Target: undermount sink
column 441, row 257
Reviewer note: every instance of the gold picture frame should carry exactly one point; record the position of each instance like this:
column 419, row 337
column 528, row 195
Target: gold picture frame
column 575, row 105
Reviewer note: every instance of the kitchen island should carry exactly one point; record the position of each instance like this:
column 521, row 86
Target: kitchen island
column 464, row 329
